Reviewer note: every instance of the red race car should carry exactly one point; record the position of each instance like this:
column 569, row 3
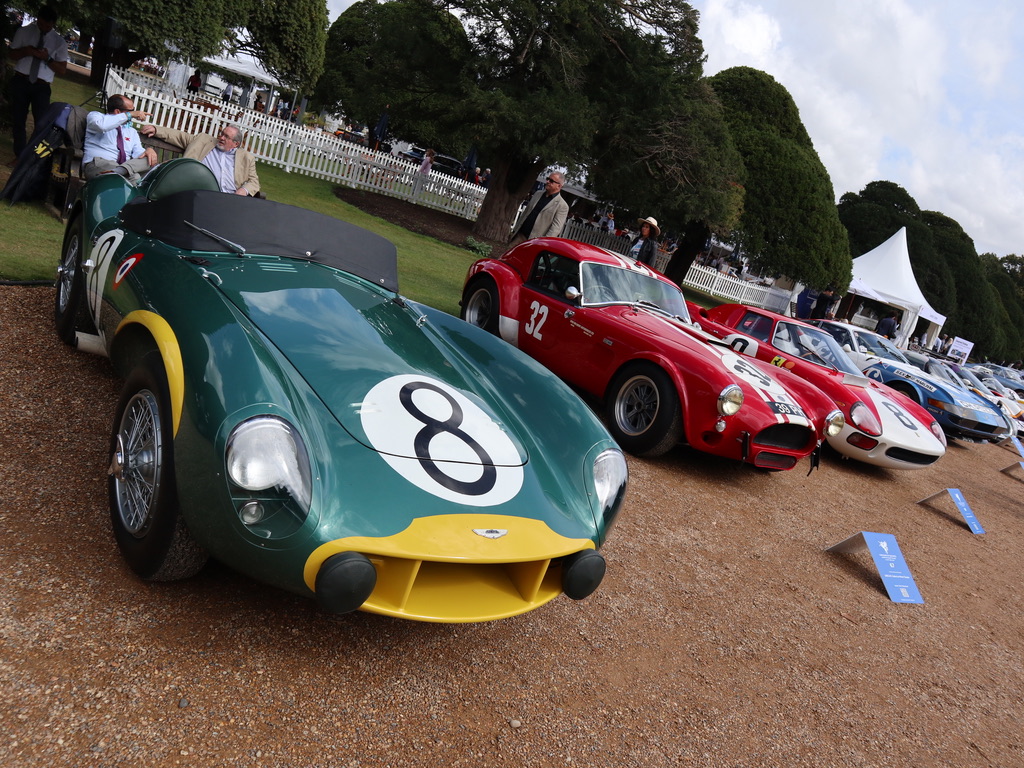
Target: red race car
column 883, row 427
column 620, row 331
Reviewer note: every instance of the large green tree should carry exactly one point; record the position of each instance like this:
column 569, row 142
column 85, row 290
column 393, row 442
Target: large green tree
column 876, row 213
column 598, row 87
column 789, row 224
column 287, row 36
column 1012, row 299
column 982, row 297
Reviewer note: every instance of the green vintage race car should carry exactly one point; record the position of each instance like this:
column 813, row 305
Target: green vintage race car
column 288, row 412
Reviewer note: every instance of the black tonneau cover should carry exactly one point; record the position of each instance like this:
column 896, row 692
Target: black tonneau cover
column 266, row 228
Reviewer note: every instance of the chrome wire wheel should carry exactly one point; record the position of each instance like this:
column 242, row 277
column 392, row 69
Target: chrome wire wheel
column 66, row 271
column 637, row 405
column 136, row 465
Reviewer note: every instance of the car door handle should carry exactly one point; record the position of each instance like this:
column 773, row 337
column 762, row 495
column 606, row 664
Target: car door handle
column 569, row 313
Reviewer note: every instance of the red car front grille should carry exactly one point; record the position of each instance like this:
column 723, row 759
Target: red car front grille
column 791, row 437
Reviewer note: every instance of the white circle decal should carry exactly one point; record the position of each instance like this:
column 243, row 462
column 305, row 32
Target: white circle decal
column 752, row 374
column 441, row 441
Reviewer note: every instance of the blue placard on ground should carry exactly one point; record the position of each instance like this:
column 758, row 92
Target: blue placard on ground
column 889, row 561
column 965, row 510
column 962, row 506
column 1006, row 470
column 1018, row 446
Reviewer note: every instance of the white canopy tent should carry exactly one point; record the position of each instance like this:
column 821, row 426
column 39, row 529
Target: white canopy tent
column 886, row 272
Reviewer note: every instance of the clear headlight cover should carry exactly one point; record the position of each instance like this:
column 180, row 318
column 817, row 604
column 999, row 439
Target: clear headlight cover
column 730, row 400
column 864, row 420
column 267, row 452
column 939, row 434
column 610, row 476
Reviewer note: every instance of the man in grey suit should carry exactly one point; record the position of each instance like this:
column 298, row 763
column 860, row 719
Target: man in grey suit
column 545, row 213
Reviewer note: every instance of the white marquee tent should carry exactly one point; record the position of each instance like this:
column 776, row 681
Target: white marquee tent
column 886, row 272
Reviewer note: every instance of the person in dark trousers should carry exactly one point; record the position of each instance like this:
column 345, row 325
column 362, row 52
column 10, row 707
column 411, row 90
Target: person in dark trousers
column 38, row 53
column 824, row 303
column 887, row 326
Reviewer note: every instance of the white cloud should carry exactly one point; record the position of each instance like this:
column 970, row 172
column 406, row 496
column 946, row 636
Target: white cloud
column 918, row 92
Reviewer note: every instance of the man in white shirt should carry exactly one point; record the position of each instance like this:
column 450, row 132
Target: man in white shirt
column 112, row 145
column 39, row 53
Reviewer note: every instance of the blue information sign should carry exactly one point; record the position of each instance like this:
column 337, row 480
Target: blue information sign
column 962, row 506
column 889, row 561
column 965, row 510
column 1018, row 446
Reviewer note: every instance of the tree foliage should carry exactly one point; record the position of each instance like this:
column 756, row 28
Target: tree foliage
column 599, row 87
column 982, row 297
column 287, row 36
column 789, row 223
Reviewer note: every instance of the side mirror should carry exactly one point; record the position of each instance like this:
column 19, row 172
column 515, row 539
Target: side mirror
column 572, row 293
column 848, row 348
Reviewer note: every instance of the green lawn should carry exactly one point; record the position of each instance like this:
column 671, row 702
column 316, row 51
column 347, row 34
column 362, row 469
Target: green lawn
column 429, row 271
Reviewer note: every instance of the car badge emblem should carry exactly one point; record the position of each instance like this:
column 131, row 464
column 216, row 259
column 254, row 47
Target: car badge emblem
column 490, row 533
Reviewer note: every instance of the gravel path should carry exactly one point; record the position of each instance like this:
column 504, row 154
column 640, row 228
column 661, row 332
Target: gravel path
column 724, row 634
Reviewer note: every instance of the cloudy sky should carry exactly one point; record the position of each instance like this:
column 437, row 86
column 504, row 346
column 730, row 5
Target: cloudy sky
column 924, row 93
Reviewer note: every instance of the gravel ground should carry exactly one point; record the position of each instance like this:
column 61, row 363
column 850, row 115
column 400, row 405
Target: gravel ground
column 724, row 634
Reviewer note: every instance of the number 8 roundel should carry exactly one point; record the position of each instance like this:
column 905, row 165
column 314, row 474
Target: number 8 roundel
column 440, row 441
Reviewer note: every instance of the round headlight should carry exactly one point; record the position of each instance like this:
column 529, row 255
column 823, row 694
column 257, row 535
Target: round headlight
column 266, row 452
column 730, row 400
column 834, row 423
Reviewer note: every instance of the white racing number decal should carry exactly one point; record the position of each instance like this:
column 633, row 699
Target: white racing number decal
column 901, row 416
column 101, row 256
column 441, row 441
column 775, row 395
column 538, row 315
column 742, row 344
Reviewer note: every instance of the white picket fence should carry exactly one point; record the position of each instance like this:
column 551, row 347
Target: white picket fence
column 296, row 148
column 724, row 286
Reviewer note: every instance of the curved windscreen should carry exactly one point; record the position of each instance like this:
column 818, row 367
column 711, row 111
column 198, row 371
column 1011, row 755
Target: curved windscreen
column 813, row 344
column 881, row 346
column 605, row 284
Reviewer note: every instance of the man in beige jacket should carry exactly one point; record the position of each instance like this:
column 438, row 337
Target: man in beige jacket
column 545, row 214
column 234, row 166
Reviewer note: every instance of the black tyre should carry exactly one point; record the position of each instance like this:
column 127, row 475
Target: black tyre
column 480, row 304
column 70, row 283
column 643, row 410
column 144, row 510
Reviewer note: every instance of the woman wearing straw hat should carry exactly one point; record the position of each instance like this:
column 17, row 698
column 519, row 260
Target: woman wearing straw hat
column 645, row 247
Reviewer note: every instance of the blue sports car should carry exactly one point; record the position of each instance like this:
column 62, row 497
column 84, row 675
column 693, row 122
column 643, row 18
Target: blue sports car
column 959, row 411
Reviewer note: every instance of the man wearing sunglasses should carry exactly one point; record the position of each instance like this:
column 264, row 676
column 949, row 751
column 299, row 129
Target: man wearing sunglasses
column 545, row 213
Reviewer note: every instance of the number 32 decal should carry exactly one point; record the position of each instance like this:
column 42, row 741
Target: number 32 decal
column 538, row 315
column 441, row 441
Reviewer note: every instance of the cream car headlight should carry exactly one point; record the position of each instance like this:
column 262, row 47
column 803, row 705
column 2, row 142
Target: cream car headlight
column 834, row 423
column 730, row 400
column 266, row 453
